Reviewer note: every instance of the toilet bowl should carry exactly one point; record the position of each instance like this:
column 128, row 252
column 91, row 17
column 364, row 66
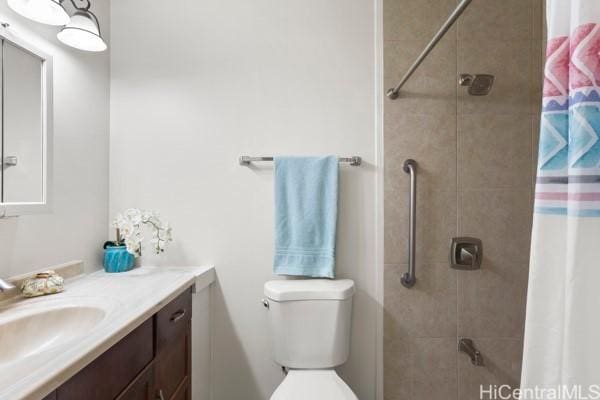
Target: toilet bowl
column 309, row 326
column 313, row 384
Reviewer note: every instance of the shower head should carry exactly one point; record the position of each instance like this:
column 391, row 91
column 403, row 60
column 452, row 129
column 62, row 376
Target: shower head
column 478, row 84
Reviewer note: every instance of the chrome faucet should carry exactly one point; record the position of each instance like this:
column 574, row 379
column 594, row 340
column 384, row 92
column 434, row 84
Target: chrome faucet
column 4, row 285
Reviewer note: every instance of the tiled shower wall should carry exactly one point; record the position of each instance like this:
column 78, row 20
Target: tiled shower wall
column 476, row 159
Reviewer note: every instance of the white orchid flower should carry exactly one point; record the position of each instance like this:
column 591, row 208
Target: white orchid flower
column 129, row 225
column 134, row 215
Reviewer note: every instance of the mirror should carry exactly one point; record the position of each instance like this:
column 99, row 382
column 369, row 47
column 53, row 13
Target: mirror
column 25, row 128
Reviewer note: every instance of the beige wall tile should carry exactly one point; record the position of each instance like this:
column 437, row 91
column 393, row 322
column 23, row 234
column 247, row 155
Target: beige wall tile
column 423, row 369
column 432, row 88
column 501, row 219
column 491, row 301
column 489, row 152
column 428, row 309
column 430, row 139
column 510, row 62
column 544, row 25
column 415, row 19
column 436, row 224
column 397, row 369
column 494, row 151
column 434, row 369
column 507, row 20
column 538, row 21
column 502, row 366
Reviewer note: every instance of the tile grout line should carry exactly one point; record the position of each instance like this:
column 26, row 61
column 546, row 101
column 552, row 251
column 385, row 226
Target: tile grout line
column 456, row 231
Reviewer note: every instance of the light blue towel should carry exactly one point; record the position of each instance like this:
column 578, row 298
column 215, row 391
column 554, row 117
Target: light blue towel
column 306, row 198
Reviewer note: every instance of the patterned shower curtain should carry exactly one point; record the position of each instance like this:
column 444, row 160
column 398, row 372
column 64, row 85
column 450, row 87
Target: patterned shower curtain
column 562, row 330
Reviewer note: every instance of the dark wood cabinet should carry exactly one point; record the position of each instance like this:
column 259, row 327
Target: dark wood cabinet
column 185, row 393
column 172, row 321
column 51, row 396
column 173, row 347
column 151, row 363
column 112, row 372
column 142, row 388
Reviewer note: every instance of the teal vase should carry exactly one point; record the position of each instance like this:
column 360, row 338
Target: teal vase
column 118, row 259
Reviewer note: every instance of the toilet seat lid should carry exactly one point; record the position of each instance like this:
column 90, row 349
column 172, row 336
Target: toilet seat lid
column 313, row 385
column 309, row 289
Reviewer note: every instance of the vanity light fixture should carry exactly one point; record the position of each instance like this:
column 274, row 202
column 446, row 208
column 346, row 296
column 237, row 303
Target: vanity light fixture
column 50, row 12
column 81, row 30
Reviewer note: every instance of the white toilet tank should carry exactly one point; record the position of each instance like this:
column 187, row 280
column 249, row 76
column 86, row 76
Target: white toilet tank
column 309, row 321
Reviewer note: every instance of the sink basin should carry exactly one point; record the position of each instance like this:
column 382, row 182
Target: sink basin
column 27, row 331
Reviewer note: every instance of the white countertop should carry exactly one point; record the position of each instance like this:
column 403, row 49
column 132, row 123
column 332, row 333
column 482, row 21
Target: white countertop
column 127, row 299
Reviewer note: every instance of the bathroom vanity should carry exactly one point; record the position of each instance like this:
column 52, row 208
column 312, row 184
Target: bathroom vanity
column 152, row 362
column 108, row 336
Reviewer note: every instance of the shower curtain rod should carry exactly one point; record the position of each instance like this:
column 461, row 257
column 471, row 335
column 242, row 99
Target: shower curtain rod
column 394, row 92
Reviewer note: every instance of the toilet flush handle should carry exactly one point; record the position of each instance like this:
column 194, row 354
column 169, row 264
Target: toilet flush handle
column 265, row 303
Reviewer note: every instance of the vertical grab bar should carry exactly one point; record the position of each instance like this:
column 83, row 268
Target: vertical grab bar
column 409, row 278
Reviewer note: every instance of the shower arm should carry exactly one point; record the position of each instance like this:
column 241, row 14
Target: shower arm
column 394, row 92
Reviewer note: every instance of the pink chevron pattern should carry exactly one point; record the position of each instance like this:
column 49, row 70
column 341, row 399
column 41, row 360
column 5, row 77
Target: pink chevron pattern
column 573, row 63
column 584, row 70
column 569, row 155
column 556, row 74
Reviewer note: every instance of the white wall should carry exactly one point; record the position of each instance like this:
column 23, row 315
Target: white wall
column 198, row 83
column 201, row 341
column 76, row 229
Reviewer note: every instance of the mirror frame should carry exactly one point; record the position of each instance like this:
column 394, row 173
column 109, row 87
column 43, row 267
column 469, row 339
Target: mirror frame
column 45, row 206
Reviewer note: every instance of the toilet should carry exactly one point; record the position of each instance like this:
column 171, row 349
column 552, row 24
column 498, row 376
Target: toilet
column 309, row 325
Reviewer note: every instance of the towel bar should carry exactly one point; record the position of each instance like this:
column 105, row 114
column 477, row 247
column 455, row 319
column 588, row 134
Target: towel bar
column 246, row 160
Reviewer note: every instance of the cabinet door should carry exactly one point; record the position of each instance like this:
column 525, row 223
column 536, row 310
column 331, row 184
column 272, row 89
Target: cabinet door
column 113, row 371
column 173, row 366
column 173, row 359
column 172, row 320
column 142, row 388
column 184, row 393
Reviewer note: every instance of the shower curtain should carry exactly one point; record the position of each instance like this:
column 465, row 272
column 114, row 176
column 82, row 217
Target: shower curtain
column 562, row 330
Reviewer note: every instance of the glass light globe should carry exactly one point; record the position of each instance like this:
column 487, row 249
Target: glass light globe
column 49, row 12
column 82, row 32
